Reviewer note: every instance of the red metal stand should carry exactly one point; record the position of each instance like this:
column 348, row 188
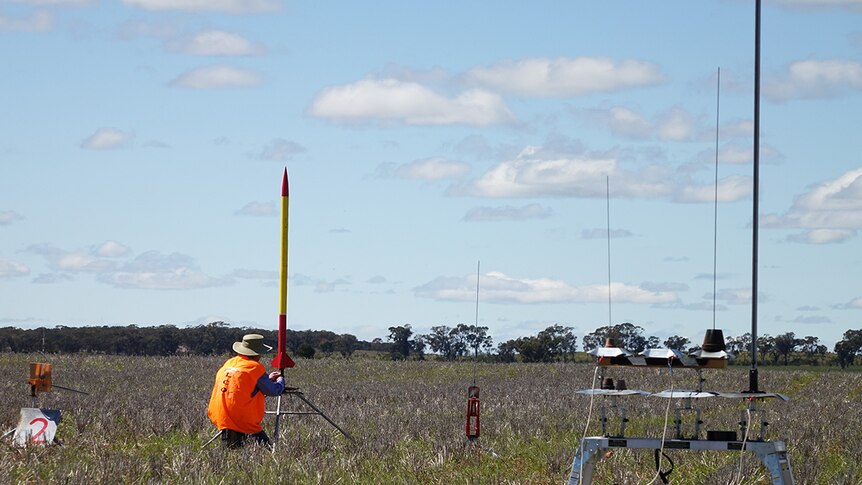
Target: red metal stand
column 472, row 426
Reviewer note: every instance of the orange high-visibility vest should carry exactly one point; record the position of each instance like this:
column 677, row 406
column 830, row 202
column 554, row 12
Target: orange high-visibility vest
column 231, row 404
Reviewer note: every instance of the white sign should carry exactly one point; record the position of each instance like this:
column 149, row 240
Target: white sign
column 36, row 426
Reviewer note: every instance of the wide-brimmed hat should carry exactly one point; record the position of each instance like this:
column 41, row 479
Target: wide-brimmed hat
column 251, row 345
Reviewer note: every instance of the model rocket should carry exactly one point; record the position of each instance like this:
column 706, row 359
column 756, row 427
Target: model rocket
column 282, row 360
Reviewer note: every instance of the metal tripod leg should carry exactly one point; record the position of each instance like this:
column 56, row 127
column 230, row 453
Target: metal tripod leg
column 279, row 413
column 318, row 411
column 773, row 454
column 774, row 457
column 216, row 435
column 277, row 419
column 585, row 458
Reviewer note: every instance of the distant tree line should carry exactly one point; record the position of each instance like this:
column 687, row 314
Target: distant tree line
column 554, row 343
column 558, row 343
column 212, row 338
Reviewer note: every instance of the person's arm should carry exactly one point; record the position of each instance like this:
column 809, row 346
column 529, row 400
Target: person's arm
column 270, row 388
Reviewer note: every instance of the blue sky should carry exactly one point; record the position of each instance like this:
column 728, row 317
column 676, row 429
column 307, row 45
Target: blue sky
column 142, row 144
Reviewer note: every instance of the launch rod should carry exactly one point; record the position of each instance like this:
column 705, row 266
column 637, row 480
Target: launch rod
column 282, row 360
column 752, row 375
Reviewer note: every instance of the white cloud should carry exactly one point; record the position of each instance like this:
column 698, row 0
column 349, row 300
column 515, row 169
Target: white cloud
column 9, row 269
column 831, row 211
column 229, row 6
column 675, row 124
column 38, row 21
column 815, row 319
column 730, row 189
column 155, row 271
column 855, row 303
column 408, row 102
column 816, row 79
column 736, row 296
column 280, row 150
column 843, row 193
column 822, row 236
column 107, row 139
column 80, row 262
column 499, row 288
column 216, row 43
column 508, row 213
column 434, row 168
column 624, row 122
column 736, row 154
column 535, row 173
column 565, row 77
column 111, row 249
column 257, row 209
column 217, row 76
column 8, row 217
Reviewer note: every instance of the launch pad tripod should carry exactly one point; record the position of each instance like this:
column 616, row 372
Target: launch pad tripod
column 297, row 393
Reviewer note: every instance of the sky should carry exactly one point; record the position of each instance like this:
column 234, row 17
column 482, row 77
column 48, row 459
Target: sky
column 549, row 147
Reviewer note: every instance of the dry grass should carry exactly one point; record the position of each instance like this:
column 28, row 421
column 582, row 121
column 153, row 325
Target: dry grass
column 145, row 422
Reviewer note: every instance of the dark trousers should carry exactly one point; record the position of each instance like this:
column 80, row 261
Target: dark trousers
column 235, row 439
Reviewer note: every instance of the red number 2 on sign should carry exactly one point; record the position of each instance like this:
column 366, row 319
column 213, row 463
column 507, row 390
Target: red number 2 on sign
column 37, row 437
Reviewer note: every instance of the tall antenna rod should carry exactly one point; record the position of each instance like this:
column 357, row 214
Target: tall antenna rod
column 608, row 203
column 752, row 376
column 478, row 264
column 715, row 215
column 476, row 357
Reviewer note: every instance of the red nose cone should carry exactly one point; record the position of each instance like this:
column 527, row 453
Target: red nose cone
column 284, row 188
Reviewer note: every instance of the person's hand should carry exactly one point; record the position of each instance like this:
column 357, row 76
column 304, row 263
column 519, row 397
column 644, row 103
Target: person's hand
column 274, row 375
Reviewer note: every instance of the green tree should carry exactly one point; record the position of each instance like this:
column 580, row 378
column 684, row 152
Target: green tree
column 628, row 336
column 401, row 342
column 848, row 347
column 477, row 337
column 346, row 345
column 306, row 351
column 506, row 351
column 441, row 341
column 811, row 346
column 676, row 342
column 785, row 344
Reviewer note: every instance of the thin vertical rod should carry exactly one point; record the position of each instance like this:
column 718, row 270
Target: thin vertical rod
column 478, row 265
column 715, row 214
column 476, row 357
column 608, row 208
column 752, row 377
column 275, row 430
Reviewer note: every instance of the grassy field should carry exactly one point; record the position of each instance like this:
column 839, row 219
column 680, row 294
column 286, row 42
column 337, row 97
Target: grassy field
column 145, row 422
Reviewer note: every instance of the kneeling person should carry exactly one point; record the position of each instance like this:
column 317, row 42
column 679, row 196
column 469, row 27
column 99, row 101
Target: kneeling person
column 237, row 403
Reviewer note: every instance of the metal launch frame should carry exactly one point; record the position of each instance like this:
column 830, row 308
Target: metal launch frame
column 278, row 413
column 773, row 454
column 687, row 432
